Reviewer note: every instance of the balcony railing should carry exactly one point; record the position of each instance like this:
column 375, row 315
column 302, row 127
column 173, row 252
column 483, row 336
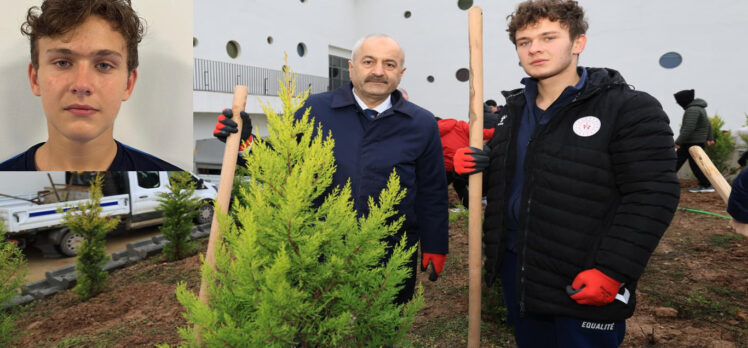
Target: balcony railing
column 215, row 76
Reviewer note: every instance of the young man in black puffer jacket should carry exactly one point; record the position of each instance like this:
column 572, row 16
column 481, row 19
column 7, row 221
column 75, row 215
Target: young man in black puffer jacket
column 581, row 186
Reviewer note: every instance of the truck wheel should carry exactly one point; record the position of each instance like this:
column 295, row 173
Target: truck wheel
column 69, row 243
column 205, row 215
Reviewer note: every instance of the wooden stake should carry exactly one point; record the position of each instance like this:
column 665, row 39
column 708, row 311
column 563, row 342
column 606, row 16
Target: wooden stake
column 228, row 167
column 475, row 183
column 707, row 167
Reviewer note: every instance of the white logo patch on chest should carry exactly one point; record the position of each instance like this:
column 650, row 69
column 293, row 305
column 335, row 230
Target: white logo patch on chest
column 586, row 126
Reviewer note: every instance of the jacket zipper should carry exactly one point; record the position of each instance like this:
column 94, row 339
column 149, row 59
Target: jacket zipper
column 528, row 182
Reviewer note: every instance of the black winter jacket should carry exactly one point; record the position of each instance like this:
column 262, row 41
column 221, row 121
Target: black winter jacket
column 599, row 191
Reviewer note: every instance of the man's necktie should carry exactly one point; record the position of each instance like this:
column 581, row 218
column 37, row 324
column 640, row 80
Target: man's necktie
column 371, row 114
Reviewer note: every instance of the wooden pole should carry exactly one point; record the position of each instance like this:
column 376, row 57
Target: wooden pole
column 707, row 167
column 228, row 167
column 475, row 183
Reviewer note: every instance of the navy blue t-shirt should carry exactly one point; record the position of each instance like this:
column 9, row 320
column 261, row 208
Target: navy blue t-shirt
column 126, row 159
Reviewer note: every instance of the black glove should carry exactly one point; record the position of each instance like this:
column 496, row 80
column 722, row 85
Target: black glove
column 226, row 125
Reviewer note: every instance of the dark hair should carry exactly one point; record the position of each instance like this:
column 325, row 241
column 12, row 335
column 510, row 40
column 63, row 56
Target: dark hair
column 491, row 102
column 57, row 17
column 568, row 12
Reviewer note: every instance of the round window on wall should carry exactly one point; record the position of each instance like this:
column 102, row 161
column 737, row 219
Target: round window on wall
column 462, row 74
column 464, row 4
column 232, row 48
column 407, row 14
column 671, row 60
column 301, row 49
column 430, row 78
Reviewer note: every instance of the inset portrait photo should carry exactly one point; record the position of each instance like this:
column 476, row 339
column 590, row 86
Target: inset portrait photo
column 102, row 85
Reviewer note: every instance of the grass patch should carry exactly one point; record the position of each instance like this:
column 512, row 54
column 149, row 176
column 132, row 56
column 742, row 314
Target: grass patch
column 443, row 332
column 723, row 241
column 105, row 338
column 456, row 215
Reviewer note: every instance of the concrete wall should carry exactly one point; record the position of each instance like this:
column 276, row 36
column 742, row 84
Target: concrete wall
column 629, row 36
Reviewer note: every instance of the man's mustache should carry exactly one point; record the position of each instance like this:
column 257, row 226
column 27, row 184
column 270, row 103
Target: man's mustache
column 376, row 79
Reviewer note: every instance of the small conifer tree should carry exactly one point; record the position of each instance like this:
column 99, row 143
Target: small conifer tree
column 86, row 221
column 12, row 274
column 291, row 273
column 721, row 151
column 179, row 209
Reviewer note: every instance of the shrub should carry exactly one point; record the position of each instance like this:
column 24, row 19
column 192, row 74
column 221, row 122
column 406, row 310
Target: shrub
column 721, row 152
column 86, row 221
column 179, row 209
column 12, row 274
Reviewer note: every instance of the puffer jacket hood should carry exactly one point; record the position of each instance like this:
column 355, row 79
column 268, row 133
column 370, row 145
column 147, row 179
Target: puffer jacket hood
column 446, row 125
column 697, row 102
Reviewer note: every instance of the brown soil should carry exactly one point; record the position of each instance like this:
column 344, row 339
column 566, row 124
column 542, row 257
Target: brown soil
column 699, row 270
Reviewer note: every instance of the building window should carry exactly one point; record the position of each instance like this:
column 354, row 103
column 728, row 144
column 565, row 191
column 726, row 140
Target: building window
column 430, row 78
column 462, row 74
column 301, row 49
column 270, row 40
column 464, row 4
column 671, row 60
column 233, row 49
column 338, row 71
column 407, row 14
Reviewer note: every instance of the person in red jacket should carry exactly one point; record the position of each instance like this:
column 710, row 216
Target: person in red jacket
column 455, row 134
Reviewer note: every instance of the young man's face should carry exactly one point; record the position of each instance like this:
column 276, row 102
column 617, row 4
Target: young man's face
column 82, row 80
column 546, row 50
column 378, row 68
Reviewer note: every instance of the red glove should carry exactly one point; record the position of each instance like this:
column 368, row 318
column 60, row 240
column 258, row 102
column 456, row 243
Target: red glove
column 594, row 288
column 470, row 160
column 226, row 126
column 437, row 260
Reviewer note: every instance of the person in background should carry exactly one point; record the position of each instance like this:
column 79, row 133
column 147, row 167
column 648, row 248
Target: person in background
column 694, row 130
column 455, row 134
column 493, row 107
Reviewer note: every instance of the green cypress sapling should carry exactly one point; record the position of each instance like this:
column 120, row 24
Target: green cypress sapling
column 86, row 221
column 289, row 273
column 179, row 208
column 12, row 275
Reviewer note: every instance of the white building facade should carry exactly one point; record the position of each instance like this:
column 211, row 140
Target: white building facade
column 700, row 43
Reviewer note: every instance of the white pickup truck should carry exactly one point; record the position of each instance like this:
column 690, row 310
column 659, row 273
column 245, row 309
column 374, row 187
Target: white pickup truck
column 130, row 195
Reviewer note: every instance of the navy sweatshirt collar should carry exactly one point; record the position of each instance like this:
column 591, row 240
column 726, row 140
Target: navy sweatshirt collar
column 531, row 94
